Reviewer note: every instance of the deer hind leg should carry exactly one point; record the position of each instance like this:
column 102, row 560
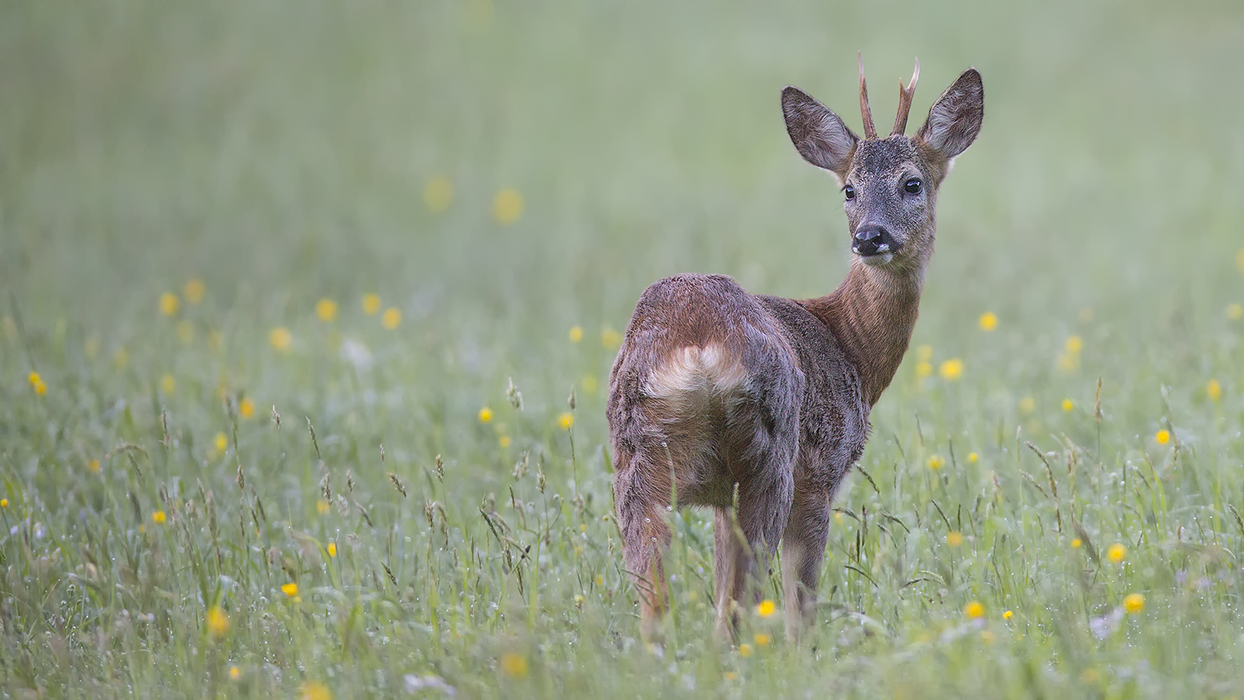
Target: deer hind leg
column 803, row 546
column 640, row 497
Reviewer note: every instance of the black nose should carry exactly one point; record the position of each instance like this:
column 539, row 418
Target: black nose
column 868, row 240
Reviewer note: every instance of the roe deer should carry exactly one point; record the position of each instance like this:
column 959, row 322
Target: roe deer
column 758, row 406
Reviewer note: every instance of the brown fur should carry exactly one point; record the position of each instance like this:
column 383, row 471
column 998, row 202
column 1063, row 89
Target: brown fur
column 758, row 406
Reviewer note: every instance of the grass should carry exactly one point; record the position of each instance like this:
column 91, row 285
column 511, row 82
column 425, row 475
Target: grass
column 251, row 495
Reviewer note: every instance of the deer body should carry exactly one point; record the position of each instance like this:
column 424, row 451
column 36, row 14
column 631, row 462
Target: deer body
column 758, row 406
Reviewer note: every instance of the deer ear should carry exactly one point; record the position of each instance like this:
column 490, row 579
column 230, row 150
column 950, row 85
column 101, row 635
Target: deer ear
column 955, row 119
column 818, row 134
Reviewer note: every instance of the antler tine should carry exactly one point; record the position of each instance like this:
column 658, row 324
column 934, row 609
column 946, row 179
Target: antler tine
column 870, row 130
column 904, row 102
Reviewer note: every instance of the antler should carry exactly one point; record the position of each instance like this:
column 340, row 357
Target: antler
column 904, row 100
column 870, row 130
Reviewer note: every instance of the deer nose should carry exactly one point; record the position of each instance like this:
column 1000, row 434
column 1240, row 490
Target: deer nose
column 870, row 240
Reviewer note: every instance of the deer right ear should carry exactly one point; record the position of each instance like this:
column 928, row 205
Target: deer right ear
column 818, row 134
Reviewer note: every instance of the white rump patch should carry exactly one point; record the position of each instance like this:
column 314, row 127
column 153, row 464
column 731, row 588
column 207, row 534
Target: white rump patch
column 695, row 369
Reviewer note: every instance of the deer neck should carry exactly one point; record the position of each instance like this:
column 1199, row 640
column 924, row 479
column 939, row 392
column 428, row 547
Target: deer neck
column 871, row 315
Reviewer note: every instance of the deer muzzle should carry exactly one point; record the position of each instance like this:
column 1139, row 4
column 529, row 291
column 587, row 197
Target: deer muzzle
column 872, row 240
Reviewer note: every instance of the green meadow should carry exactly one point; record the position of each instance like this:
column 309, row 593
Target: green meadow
column 307, row 313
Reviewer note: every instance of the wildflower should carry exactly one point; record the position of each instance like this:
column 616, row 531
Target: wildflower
column 217, row 621
column 158, row 517
column 290, row 589
column 1116, row 553
column 221, row 442
column 326, row 309
column 1068, row 405
column 504, row 441
column 485, row 415
column 514, row 665
column 234, row 673
column 954, row 538
column 36, row 383
column 838, row 518
column 766, row 608
column 951, row 369
column 169, row 303
column 438, row 194
column 1162, row 436
column 93, row 466
column 745, row 650
column 507, row 206
column 974, row 610
column 600, row 580
column 924, row 369
column 194, row 290
column 391, row 318
column 168, row 383
column 1089, row 675
column 322, row 507
column 565, row 420
column 731, row 676
column 1027, row 405
column 313, row 690
column 1008, row 615
column 576, row 334
column 973, row 458
column 1213, row 390
column 332, row 549
column 371, row 304
column 1134, row 603
column 246, row 408
column 610, row 338
column 761, row 640
column 988, row 321
column 1235, row 312
column 1076, row 543
column 1074, row 345
column 4, row 503
column 280, row 338
column 1067, row 362
column 936, row 462
column 924, row 353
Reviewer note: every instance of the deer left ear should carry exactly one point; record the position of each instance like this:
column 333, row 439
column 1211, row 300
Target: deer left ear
column 955, row 119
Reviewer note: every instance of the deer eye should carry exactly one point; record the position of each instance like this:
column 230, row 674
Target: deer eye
column 849, row 191
column 912, row 186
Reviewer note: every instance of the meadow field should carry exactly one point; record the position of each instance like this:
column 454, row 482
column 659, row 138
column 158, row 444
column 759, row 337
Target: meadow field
column 307, row 313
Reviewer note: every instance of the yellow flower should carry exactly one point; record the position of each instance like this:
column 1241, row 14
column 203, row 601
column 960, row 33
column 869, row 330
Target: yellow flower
column 322, row 506
column 924, row 369
column 951, row 369
column 1076, row 543
column 4, row 503
column 936, row 462
column 1008, row 615
column 1116, row 553
column 973, row 458
column 217, row 622
column 954, row 538
column 576, row 334
column 1074, row 345
column 371, row 304
column 290, row 589
column 1067, row 362
column 313, row 690
column 36, row 383
column 485, row 415
column 1068, row 405
column 168, row 383
column 761, row 639
column 766, row 608
column 565, row 420
column 504, row 441
column 1162, row 436
column 169, row 303
column 988, row 321
column 514, row 665
column 158, row 517
column 1134, row 603
column 93, row 466
column 745, row 650
column 326, row 309
column 1235, row 312
column 221, row 442
column 194, row 290
column 1213, row 390
column 507, row 206
column 1027, row 405
column 1089, row 675
column 839, row 518
column 332, row 549
column 438, row 194
column 246, row 408
column 731, row 676
column 924, row 353
column 974, row 610
column 391, row 318
column 280, row 338
column 234, row 673
column 610, row 338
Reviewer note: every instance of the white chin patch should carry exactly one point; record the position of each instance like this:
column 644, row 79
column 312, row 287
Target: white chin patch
column 879, row 259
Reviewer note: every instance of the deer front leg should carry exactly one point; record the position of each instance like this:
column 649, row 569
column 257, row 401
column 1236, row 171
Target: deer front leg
column 640, row 501
column 744, row 546
column 803, row 547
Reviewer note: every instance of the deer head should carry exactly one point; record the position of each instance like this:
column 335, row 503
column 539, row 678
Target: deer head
column 890, row 184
